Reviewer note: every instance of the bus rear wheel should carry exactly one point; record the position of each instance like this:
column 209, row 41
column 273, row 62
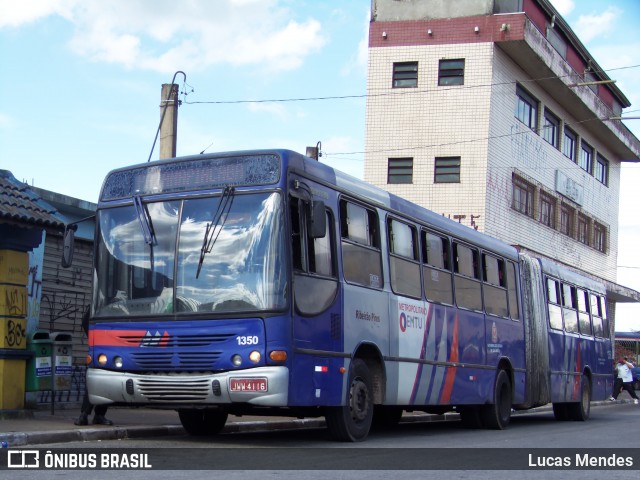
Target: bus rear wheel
column 581, row 409
column 352, row 422
column 498, row 414
column 202, row 422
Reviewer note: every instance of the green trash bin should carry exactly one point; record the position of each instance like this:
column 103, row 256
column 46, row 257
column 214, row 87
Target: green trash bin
column 38, row 371
column 62, row 360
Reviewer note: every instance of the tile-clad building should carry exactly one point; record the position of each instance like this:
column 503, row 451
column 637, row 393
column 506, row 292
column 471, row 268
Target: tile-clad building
column 477, row 109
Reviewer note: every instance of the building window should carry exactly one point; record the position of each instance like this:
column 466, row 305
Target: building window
column 447, row 170
column 405, row 75
column 551, row 128
column 547, row 209
column 523, row 196
column 400, row 170
column 451, row 72
column 569, row 145
column 586, row 157
column 566, row 220
column 526, row 108
column 599, row 237
column 602, row 170
column 557, row 42
column 583, row 229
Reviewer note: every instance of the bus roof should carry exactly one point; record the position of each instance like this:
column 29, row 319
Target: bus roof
column 323, row 173
column 562, row 273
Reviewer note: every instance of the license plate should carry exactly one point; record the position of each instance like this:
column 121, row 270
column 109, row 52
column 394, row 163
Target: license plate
column 248, row 384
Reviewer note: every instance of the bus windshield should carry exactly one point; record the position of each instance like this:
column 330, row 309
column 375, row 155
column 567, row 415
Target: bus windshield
column 148, row 258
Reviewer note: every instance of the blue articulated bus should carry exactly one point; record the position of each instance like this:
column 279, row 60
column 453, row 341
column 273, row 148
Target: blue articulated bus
column 264, row 282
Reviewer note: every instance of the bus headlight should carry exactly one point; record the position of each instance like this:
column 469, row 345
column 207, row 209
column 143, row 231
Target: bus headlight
column 255, row 356
column 236, row 360
column 117, row 362
column 102, row 359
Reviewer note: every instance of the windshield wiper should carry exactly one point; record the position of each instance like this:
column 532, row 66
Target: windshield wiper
column 217, row 222
column 147, row 227
column 145, row 221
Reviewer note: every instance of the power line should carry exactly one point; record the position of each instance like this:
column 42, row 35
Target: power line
column 405, row 91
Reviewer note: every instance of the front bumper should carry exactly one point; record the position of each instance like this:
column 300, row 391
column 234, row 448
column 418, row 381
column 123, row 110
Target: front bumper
column 108, row 387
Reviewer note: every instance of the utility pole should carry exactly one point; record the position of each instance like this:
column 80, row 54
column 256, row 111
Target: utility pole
column 168, row 120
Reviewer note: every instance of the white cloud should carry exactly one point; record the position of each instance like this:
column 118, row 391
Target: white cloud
column 564, row 7
column 15, row 13
column 589, row 27
column 165, row 36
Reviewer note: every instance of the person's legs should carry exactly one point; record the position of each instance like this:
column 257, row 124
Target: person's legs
column 85, row 410
column 99, row 418
column 616, row 388
column 628, row 386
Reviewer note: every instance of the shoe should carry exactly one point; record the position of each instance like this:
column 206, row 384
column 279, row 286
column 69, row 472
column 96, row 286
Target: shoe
column 635, row 400
column 101, row 420
column 612, row 399
column 82, row 420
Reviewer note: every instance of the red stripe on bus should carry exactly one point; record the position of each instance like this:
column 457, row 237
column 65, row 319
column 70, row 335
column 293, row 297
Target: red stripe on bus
column 113, row 338
column 451, row 371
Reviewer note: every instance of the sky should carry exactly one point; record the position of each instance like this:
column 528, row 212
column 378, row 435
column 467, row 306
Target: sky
column 81, row 80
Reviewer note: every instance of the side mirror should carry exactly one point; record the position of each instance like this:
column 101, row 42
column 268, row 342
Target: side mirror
column 317, row 220
column 67, row 245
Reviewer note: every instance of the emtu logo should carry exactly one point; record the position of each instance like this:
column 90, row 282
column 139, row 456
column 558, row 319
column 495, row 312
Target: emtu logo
column 403, row 322
column 155, row 340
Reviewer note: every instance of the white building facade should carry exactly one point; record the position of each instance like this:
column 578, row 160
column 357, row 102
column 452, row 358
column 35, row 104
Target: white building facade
column 475, row 110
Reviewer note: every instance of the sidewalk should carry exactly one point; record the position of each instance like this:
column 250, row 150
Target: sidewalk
column 33, row 427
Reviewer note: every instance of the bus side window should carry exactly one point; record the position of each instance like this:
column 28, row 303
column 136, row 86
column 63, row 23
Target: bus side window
column 436, row 268
column 310, row 255
column 596, row 316
column 361, row 256
column 296, row 235
column 555, row 310
column 403, row 256
column 512, row 288
column 584, row 319
column 313, row 261
column 569, row 308
column 494, row 289
column 467, row 277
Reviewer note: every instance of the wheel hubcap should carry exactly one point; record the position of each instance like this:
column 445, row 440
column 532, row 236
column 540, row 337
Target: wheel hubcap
column 359, row 400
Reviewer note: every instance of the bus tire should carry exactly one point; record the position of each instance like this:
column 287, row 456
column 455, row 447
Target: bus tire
column 202, row 422
column 352, row 422
column 498, row 415
column 581, row 409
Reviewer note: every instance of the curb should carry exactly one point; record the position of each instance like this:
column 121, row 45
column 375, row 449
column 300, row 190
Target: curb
column 18, row 439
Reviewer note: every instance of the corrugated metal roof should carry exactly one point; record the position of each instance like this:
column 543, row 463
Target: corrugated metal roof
column 21, row 204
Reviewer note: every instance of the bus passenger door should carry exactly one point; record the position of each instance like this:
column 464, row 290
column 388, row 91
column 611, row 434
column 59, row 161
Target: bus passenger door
column 317, row 319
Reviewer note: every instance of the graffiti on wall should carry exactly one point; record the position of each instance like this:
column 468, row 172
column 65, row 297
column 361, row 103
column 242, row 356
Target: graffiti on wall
column 62, row 310
column 471, row 222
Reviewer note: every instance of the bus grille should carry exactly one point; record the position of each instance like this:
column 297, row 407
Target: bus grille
column 194, row 361
column 174, row 341
column 181, row 391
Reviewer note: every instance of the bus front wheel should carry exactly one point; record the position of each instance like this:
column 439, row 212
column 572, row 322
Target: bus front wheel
column 352, row 422
column 202, row 422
